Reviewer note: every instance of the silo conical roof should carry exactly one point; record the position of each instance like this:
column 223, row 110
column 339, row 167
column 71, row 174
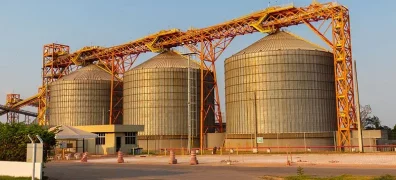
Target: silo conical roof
column 280, row 40
column 90, row 72
column 168, row 59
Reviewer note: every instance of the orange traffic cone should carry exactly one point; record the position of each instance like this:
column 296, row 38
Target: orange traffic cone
column 172, row 159
column 193, row 160
column 85, row 157
column 120, row 158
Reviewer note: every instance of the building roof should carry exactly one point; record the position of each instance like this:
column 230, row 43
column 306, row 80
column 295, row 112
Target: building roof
column 115, row 128
column 280, row 40
column 168, row 59
column 90, row 72
column 68, row 132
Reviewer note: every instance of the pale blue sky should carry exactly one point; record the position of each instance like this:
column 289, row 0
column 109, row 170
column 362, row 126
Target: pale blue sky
column 26, row 25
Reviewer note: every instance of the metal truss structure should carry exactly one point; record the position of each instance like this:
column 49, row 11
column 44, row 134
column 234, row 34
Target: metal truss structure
column 13, row 106
column 209, row 43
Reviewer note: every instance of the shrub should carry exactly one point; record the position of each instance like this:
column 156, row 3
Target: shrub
column 385, row 177
column 300, row 171
column 13, row 140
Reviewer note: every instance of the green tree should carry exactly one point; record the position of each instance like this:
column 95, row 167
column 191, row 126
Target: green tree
column 392, row 133
column 365, row 112
column 386, row 128
column 373, row 122
column 13, row 140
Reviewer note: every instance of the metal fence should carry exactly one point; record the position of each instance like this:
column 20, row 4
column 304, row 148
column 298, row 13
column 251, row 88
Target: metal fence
column 271, row 150
column 72, row 148
column 373, row 141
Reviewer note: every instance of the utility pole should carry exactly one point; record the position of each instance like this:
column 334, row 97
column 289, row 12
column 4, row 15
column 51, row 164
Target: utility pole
column 255, row 119
column 357, row 104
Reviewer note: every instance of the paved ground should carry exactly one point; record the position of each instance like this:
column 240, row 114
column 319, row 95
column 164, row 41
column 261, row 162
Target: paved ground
column 367, row 159
column 214, row 167
column 103, row 171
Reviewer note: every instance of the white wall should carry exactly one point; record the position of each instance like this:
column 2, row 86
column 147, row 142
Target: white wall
column 19, row 169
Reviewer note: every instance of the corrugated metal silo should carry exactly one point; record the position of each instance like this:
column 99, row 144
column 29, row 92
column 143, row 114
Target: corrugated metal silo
column 81, row 98
column 155, row 95
column 280, row 84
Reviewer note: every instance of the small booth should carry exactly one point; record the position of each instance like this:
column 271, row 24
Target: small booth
column 71, row 142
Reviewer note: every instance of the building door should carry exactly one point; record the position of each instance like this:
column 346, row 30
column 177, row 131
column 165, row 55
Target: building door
column 118, row 143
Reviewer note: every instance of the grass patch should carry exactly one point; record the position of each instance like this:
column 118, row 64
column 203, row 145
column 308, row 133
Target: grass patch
column 302, row 176
column 385, row 177
column 14, row 178
column 342, row 177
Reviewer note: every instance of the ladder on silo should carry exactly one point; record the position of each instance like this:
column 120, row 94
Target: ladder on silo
column 194, row 105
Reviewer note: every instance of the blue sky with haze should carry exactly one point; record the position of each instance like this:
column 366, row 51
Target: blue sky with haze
column 26, row 25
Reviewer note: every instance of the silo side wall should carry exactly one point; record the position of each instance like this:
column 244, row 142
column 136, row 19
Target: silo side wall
column 284, row 91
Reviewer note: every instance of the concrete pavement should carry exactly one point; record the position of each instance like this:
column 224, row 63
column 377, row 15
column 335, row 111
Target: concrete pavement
column 114, row 171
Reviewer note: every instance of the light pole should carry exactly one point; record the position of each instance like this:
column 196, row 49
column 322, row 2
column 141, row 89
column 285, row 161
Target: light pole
column 255, row 118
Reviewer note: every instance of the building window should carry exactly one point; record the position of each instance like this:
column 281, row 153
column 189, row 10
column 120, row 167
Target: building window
column 130, row 138
column 100, row 140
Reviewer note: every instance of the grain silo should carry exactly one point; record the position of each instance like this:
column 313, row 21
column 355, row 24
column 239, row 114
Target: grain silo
column 81, row 98
column 155, row 95
column 281, row 89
